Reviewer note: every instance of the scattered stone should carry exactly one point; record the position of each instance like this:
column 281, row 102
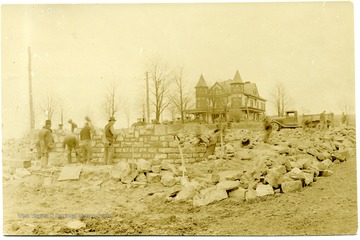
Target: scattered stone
column 228, row 185
column 326, row 173
column 291, row 186
column 263, row 190
column 186, row 194
column 153, row 177
column 312, row 152
column 156, row 169
column 230, row 175
column 250, row 195
column 209, row 195
column 168, row 179
column 238, row 193
column 275, row 176
column 120, row 171
column 76, row 224
column 327, row 163
column 141, row 177
column 21, row 172
column 143, row 165
column 15, row 226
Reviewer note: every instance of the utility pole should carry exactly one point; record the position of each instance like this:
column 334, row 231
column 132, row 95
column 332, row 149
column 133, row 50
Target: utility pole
column 147, row 98
column 31, row 104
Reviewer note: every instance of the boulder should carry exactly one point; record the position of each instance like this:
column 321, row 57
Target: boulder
column 141, row 177
column 209, row 195
column 291, row 186
column 168, row 179
column 250, row 195
column 327, row 163
column 143, row 165
column 228, row 185
column 238, row 193
column 275, row 176
column 186, row 194
column 231, row 175
column 263, row 190
column 153, row 177
column 76, row 224
column 326, row 173
column 156, row 169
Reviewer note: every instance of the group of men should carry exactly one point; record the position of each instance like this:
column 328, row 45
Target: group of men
column 45, row 142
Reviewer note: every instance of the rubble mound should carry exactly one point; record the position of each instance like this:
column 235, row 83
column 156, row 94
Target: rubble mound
column 243, row 167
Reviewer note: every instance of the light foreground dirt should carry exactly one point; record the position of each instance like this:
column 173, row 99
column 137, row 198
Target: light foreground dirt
column 327, row 207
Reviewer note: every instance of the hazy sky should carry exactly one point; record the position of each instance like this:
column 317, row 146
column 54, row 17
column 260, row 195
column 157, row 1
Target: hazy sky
column 78, row 49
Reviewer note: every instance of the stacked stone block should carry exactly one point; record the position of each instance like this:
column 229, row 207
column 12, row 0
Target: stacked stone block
column 145, row 142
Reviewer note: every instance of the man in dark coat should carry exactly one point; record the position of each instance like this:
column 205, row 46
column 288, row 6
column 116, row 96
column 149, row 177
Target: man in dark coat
column 45, row 143
column 109, row 140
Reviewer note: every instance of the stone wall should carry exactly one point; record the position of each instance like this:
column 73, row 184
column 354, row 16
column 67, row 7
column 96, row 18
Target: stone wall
column 146, row 142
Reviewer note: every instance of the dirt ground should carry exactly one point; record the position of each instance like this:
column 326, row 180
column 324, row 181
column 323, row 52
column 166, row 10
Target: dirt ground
column 327, row 207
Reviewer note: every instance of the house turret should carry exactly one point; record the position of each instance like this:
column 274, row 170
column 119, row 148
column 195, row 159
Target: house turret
column 201, row 93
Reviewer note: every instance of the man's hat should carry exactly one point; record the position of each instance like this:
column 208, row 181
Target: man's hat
column 47, row 122
column 112, row 119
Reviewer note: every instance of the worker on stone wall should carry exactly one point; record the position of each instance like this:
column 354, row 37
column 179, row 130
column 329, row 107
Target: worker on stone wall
column 73, row 125
column 72, row 143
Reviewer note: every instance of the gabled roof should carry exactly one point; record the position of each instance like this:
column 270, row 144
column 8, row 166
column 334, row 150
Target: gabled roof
column 237, row 78
column 201, row 82
column 251, row 89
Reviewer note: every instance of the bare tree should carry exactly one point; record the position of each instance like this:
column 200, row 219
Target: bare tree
column 160, row 83
column 111, row 104
column 347, row 109
column 182, row 96
column 218, row 100
column 49, row 105
column 280, row 99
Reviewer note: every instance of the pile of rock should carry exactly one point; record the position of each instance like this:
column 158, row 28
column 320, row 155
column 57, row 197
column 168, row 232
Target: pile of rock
column 144, row 171
column 296, row 161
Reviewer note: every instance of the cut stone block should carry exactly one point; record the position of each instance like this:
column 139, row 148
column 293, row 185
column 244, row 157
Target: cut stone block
column 70, row 173
column 238, row 193
column 228, row 185
column 291, row 186
column 263, row 190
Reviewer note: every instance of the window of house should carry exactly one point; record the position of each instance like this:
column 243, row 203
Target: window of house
column 251, row 103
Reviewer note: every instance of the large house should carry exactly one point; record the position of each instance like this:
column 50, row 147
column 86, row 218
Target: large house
column 230, row 100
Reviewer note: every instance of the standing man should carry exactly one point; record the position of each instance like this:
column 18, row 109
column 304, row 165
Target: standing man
column 109, row 140
column 72, row 143
column 85, row 142
column 73, row 125
column 322, row 120
column 45, row 143
column 268, row 129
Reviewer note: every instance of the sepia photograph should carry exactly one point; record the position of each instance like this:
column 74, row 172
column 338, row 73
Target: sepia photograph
column 179, row 119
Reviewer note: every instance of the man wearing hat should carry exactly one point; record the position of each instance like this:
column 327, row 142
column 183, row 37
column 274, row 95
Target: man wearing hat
column 85, row 142
column 109, row 139
column 45, row 143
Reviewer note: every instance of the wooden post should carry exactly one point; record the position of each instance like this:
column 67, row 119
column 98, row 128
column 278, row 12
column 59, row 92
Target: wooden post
column 31, row 104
